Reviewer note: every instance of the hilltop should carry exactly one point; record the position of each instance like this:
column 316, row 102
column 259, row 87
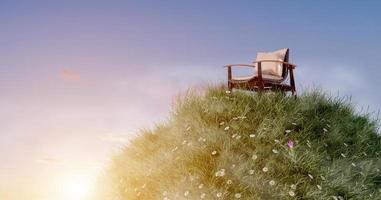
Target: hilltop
column 240, row 145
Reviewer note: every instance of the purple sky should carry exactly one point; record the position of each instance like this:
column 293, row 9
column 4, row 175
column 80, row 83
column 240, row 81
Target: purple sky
column 79, row 78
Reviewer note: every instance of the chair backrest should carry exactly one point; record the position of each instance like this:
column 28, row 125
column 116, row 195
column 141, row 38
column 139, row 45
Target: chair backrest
column 285, row 71
column 272, row 68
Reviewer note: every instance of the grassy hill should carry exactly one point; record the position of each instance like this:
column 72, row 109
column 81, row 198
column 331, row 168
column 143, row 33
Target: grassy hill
column 220, row 145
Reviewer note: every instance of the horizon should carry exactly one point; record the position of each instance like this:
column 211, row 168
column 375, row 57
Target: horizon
column 79, row 79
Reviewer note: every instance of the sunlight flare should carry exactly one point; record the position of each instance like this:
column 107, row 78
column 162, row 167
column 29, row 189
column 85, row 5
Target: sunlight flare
column 77, row 187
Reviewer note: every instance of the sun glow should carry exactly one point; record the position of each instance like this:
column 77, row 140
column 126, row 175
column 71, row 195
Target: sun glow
column 76, row 187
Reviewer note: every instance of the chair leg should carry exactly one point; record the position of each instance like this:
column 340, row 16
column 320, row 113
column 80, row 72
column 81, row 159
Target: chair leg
column 293, row 92
column 230, row 86
column 292, row 83
column 261, row 84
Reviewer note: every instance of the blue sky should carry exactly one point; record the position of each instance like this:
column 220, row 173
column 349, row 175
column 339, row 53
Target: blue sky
column 79, row 78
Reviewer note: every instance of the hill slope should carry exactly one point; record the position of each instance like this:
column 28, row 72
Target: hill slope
column 243, row 146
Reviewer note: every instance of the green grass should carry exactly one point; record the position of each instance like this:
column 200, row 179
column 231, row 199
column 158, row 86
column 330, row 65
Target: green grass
column 235, row 146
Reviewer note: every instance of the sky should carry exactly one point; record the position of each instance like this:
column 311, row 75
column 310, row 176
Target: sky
column 78, row 79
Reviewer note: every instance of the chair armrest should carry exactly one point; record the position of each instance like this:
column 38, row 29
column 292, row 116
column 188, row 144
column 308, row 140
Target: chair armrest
column 240, row 65
column 230, row 73
column 289, row 65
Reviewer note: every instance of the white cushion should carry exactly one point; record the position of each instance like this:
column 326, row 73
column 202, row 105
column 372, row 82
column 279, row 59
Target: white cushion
column 272, row 68
column 242, row 78
column 264, row 76
column 272, row 77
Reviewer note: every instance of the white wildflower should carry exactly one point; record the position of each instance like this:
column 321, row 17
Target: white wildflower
column 293, row 186
column 276, row 141
column 227, row 91
column 353, row 164
column 214, row 152
column 254, row 157
column 265, row 169
column 234, row 135
column 219, row 194
column 229, row 182
column 222, row 123
column 237, row 195
column 252, row 135
column 233, row 166
column 238, row 137
column 325, row 130
column 200, row 186
column 251, row 172
column 318, row 186
column 220, row 173
column 174, row 149
column 227, row 128
column 322, row 177
column 272, row 182
column 275, row 151
column 311, row 177
column 287, row 131
column 291, row 193
column 343, row 155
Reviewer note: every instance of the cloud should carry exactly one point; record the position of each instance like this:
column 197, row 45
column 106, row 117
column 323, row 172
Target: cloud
column 70, row 75
column 115, row 138
column 49, row 161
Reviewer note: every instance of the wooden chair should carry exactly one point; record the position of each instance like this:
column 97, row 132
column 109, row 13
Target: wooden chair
column 272, row 72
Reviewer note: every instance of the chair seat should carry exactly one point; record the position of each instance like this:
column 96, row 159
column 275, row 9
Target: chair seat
column 266, row 77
